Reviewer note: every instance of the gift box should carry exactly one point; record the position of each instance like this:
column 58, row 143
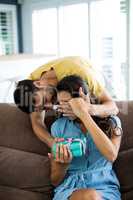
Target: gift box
column 77, row 146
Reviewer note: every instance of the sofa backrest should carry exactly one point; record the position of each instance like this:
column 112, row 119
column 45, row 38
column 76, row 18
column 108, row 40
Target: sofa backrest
column 16, row 133
column 24, row 164
column 124, row 164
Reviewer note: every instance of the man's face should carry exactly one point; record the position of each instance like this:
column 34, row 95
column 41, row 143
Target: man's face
column 43, row 97
column 47, row 79
column 46, row 88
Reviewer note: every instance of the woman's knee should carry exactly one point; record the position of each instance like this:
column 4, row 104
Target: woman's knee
column 86, row 194
column 91, row 194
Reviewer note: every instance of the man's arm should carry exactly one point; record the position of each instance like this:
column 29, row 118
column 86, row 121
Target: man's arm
column 106, row 107
column 40, row 129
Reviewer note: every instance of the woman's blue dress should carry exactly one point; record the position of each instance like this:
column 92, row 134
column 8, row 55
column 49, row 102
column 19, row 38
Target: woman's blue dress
column 92, row 170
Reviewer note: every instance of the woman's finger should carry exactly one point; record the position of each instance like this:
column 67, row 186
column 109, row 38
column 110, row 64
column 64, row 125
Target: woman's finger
column 59, row 139
column 66, row 155
column 50, row 155
column 86, row 97
column 64, row 106
column 81, row 93
column 67, row 110
column 57, row 158
column 61, row 153
column 69, row 115
column 70, row 112
column 69, row 154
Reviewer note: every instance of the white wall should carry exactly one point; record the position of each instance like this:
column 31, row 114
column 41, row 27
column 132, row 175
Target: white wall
column 14, row 68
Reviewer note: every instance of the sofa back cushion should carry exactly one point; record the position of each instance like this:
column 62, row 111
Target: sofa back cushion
column 24, row 164
column 124, row 164
column 16, row 131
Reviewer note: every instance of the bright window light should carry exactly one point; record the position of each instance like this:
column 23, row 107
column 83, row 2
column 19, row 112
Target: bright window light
column 108, row 44
column 73, row 24
column 93, row 29
column 44, row 23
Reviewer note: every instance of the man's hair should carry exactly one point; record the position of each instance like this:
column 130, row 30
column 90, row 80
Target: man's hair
column 72, row 84
column 23, row 95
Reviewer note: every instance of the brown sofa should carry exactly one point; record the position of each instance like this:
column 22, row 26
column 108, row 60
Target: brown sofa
column 24, row 165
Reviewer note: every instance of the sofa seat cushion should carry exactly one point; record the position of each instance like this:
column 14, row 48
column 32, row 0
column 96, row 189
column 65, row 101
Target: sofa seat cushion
column 24, row 170
column 127, row 195
column 9, row 193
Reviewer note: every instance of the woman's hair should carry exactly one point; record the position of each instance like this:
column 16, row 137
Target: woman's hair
column 72, row 84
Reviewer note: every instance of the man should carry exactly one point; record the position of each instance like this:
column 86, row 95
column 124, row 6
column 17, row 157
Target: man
column 48, row 75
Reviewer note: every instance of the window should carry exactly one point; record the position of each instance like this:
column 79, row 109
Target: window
column 73, row 25
column 8, row 30
column 52, row 29
column 108, row 43
column 96, row 29
column 130, row 41
column 45, row 31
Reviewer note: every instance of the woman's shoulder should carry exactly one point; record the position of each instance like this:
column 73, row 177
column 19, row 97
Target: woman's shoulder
column 60, row 121
column 59, row 125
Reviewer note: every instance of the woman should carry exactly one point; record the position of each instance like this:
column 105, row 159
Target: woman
column 90, row 176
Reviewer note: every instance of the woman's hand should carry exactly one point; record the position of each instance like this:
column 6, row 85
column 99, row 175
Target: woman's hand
column 79, row 107
column 67, row 110
column 59, row 163
column 63, row 153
